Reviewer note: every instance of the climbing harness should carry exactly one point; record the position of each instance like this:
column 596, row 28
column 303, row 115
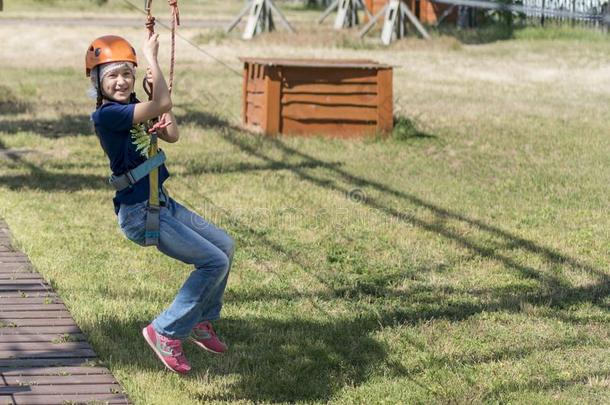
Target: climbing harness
column 153, row 210
column 154, row 204
column 130, row 178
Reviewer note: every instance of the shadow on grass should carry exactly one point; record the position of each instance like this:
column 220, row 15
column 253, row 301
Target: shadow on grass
column 299, row 359
column 406, row 130
column 481, row 35
column 304, row 359
column 66, row 125
column 274, row 359
column 39, row 178
column 201, row 119
column 196, row 169
column 554, row 290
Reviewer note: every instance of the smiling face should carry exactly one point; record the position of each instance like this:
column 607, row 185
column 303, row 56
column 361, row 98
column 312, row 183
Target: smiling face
column 118, row 84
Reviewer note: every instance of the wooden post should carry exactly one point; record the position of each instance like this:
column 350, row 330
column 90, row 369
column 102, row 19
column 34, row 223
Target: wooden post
column 244, row 91
column 271, row 108
column 260, row 18
column 385, row 102
column 1, row 6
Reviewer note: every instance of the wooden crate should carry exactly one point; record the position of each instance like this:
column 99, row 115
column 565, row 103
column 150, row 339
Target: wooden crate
column 330, row 97
column 374, row 7
column 426, row 11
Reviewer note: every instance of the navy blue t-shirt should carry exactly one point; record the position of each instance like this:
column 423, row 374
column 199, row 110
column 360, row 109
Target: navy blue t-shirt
column 113, row 123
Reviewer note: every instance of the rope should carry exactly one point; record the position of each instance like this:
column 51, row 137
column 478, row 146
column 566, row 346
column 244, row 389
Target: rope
column 150, row 26
column 175, row 22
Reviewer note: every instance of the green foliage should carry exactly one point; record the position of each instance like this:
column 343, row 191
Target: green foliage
column 140, row 138
column 551, row 32
column 405, row 129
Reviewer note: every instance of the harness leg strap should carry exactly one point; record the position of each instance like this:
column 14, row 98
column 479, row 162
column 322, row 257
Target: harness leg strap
column 151, row 233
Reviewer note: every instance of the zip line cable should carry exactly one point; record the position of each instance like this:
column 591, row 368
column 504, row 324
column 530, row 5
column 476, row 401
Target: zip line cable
column 193, row 44
column 207, row 95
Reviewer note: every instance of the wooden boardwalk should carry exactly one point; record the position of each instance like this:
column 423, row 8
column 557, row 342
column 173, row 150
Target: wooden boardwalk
column 44, row 358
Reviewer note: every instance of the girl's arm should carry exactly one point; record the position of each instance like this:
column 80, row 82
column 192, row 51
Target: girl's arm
column 170, row 133
column 161, row 101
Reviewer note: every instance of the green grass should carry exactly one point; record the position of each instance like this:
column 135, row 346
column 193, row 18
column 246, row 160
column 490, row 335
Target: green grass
column 564, row 33
column 208, row 9
column 464, row 259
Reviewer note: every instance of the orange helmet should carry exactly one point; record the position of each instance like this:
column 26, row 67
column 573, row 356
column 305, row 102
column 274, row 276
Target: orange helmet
column 109, row 48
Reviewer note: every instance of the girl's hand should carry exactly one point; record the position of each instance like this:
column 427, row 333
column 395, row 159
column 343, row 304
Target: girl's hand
column 149, row 76
column 151, row 48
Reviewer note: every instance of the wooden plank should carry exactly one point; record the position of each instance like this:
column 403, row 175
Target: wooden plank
column 385, row 112
column 369, row 100
column 45, row 354
column 28, row 363
column 60, row 379
column 54, row 371
column 257, row 108
column 21, row 281
column 299, row 111
column 48, row 346
column 21, row 275
column 256, row 86
column 13, row 253
column 8, row 267
column 331, row 88
column 317, row 62
column 331, row 128
column 252, row 118
column 28, row 301
column 17, row 297
column 31, row 307
column 59, row 389
column 21, row 338
column 106, row 399
column 244, row 92
column 34, row 330
column 256, row 99
column 271, row 108
column 39, row 338
column 14, row 259
column 17, row 271
column 14, row 285
column 56, row 314
column 38, row 322
column 26, row 289
column 328, row 74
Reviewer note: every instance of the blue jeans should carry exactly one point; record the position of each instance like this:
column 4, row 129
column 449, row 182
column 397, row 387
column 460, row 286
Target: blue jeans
column 187, row 237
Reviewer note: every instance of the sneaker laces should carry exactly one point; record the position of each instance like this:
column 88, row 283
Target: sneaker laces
column 174, row 345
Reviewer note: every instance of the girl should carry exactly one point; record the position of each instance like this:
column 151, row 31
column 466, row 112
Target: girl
column 120, row 121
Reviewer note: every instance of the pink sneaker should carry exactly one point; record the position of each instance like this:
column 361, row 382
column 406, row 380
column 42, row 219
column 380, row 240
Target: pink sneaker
column 168, row 350
column 204, row 336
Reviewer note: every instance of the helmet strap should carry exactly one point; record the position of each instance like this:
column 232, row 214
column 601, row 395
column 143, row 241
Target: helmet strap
column 100, row 96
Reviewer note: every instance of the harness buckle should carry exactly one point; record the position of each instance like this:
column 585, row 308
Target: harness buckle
column 132, row 180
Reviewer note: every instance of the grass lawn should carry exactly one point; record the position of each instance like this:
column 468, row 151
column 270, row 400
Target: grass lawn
column 465, row 259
